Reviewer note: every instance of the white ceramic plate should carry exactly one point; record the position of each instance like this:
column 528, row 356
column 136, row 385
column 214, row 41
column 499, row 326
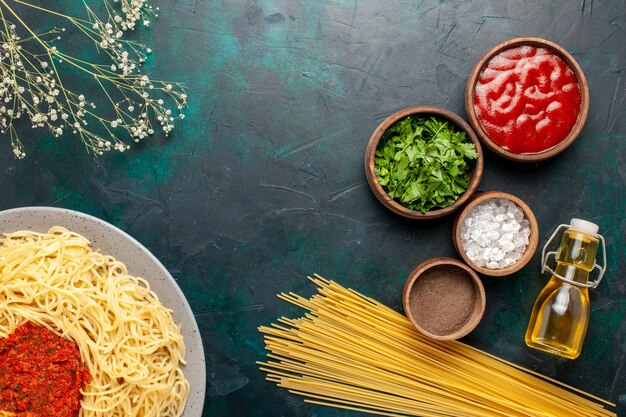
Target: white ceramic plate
column 140, row 262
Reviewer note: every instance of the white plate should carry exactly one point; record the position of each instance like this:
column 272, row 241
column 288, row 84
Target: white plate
column 140, row 262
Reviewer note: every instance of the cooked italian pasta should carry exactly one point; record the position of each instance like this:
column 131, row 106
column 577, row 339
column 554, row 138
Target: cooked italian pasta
column 128, row 340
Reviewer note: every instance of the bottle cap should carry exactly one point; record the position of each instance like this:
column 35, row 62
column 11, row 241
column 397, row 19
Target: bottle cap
column 584, row 226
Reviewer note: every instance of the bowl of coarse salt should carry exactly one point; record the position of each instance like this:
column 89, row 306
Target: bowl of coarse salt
column 496, row 233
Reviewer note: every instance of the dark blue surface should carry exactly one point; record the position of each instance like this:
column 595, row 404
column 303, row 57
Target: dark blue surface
column 263, row 183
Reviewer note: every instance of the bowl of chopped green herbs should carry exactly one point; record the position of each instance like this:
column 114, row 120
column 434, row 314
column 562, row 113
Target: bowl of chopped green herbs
column 423, row 162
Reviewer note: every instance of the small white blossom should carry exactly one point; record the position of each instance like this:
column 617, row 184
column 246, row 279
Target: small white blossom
column 30, row 85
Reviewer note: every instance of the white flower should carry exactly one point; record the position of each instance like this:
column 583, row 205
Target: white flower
column 30, row 85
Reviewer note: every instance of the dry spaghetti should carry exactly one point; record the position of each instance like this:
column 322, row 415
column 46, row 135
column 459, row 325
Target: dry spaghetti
column 127, row 339
column 354, row 353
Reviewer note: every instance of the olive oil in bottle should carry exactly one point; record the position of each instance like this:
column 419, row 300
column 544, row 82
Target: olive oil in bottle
column 559, row 319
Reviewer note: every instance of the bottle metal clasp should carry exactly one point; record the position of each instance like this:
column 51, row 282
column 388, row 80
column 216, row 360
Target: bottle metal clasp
column 545, row 255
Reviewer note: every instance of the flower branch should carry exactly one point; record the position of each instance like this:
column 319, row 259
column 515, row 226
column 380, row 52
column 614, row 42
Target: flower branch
column 34, row 75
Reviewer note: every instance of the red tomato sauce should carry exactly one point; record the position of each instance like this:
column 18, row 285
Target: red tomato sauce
column 41, row 374
column 527, row 99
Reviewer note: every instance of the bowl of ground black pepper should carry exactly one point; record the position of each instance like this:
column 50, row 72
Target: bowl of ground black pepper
column 444, row 299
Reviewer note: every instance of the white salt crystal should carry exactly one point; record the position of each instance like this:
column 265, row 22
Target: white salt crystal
column 507, row 246
column 480, row 263
column 495, row 234
column 507, row 262
column 492, row 226
column 511, row 226
column 518, row 240
column 498, row 254
column 511, row 207
column 472, row 249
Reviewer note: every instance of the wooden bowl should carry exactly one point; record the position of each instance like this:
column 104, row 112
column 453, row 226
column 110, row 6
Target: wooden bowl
column 532, row 239
column 432, row 298
column 474, row 175
column 578, row 125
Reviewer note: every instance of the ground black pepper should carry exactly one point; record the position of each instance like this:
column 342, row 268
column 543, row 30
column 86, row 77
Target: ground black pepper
column 442, row 299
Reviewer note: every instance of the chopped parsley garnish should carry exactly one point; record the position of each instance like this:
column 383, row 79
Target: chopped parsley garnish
column 423, row 162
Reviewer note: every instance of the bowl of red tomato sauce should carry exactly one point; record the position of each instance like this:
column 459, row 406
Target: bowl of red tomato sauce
column 527, row 99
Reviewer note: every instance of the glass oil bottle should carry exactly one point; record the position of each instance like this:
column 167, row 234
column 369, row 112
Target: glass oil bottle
column 559, row 319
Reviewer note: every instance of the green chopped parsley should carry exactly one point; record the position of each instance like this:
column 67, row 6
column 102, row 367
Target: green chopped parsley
column 423, row 162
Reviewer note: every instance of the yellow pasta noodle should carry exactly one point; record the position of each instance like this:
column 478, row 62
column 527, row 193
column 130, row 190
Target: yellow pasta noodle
column 128, row 340
column 354, row 353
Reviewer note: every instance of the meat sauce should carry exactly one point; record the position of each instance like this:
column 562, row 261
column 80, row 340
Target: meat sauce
column 41, row 374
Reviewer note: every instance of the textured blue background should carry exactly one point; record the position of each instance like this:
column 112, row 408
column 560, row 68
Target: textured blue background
column 263, row 183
